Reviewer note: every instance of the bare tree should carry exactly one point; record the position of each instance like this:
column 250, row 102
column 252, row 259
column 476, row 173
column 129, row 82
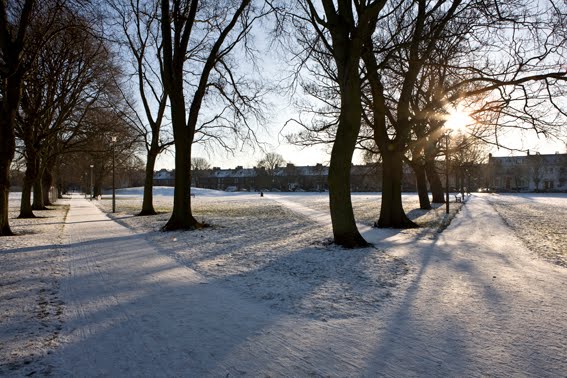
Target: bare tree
column 199, row 164
column 393, row 66
column 198, row 55
column 139, row 25
column 199, row 168
column 450, row 46
column 270, row 162
column 94, row 145
column 72, row 70
column 335, row 34
column 14, row 27
column 536, row 169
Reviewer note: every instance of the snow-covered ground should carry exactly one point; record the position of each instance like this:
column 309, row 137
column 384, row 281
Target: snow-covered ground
column 262, row 292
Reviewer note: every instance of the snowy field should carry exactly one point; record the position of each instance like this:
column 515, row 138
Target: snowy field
column 465, row 296
column 539, row 219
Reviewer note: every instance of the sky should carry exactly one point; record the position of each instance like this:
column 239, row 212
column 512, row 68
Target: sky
column 273, row 65
column 320, row 154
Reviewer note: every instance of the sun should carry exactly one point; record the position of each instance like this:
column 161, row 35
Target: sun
column 457, row 119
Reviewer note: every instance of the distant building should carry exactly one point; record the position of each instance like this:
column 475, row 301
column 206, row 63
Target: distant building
column 287, row 178
column 163, row 177
column 533, row 172
column 515, row 173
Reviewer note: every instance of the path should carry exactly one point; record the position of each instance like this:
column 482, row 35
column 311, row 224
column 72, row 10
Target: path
column 480, row 303
column 477, row 304
column 135, row 312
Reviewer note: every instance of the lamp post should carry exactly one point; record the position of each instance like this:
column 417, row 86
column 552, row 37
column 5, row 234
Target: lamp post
column 447, row 170
column 113, row 177
column 92, row 186
column 457, row 121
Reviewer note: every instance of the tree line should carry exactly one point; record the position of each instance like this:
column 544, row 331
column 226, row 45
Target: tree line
column 377, row 75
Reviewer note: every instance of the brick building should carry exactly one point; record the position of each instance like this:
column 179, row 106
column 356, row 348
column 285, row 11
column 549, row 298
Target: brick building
column 533, row 172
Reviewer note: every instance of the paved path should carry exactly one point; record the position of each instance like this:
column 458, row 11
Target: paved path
column 476, row 305
column 135, row 312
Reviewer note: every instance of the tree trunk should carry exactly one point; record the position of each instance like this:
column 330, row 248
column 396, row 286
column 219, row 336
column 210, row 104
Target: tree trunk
column 434, row 182
column 461, row 182
column 345, row 232
column 12, row 78
column 46, row 184
column 392, row 214
column 7, row 150
column 38, row 199
column 30, row 178
column 421, row 183
column 25, row 202
column 182, row 216
column 148, row 201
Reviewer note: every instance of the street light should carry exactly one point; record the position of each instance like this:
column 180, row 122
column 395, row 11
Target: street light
column 92, row 186
column 457, row 123
column 113, row 177
column 447, row 170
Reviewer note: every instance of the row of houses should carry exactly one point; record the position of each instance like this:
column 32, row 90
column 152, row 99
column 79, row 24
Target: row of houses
column 287, row 178
column 528, row 173
column 518, row 173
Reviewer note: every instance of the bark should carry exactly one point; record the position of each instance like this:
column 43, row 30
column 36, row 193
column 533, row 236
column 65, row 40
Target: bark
column 461, row 182
column 348, row 39
column 421, row 183
column 25, row 202
column 174, row 56
column 7, row 151
column 46, row 184
column 392, row 214
column 438, row 196
column 32, row 168
column 9, row 106
column 345, row 232
column 148, row 200
column 182, row 215
column 38, row 199
column 11, row 45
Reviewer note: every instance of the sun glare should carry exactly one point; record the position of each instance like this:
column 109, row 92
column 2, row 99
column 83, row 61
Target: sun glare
column 458, row 120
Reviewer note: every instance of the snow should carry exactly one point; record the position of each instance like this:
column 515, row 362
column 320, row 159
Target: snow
column 167, row 191
column 263, row 293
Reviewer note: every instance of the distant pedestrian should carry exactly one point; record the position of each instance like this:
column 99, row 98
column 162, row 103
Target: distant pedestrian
column 261, row 194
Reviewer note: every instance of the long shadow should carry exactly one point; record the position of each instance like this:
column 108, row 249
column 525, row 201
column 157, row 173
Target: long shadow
column 468, row 331
column 164, row 308
column 158, row 316
column 156, row 295
column 88, row 221
column 195, row 309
